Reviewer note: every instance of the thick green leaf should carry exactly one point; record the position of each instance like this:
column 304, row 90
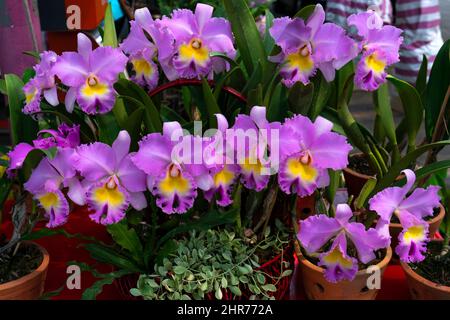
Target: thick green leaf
column 412, row 106
column 421, row 81
column 128, row 239
column 108, row 128
column 108, row 255
column 248, row 39
column 330, row 191
column 366, row 191
column 432, row 169
column 3, row 86
column 321, row 94
column 269, row 42
column 211, row 104
column 23, row 127
column 93, row 291
column 404, row 163
column 437, row 87
column 300, row 98
column 384, row 112
column 110, row 35
column 305, row 12
column 277, row 108
column 152, row 119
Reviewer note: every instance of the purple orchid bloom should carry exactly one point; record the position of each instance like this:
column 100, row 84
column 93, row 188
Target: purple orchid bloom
column 410, row 211
column 379, row 45
column 197, row 35
column 219, row 155
column 172, row 178
column 46, row 182
column 143, row 52
column 43, row 83
column 307, row 150
column 306, row 48
column 112, row 180
column 317, row 230
column 258, row 136
column 64, row 137
column 90, row 74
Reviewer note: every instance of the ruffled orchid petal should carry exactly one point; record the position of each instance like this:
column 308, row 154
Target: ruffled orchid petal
column 343, row 214
column 154, row 154
column 40, row 176
column 175, row 190
column 95, row 161
column 76, row 192
column 421, row 202
column 224, row 181
column 109, row 203
column 222, row 123
column 339, row 266
column 365, row 241
column 56, row 207
column 18, row 155
column 388, row 200
column 413, row 239
column 316, row 231
column 133, row 179
column 383, row 231
column 106, row 63
column 298, row 177
column 258, row 115
column 72, row 69
column 98, row 98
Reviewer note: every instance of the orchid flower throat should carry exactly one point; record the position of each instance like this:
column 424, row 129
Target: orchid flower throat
column 302, row 58
column 30, row 95
column 302, row 167
column 174, row 182
column 194, row 50
column 94, row 87
column 375, row 63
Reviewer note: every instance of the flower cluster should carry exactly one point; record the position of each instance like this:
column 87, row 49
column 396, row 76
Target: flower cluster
column 410, row 211
column 314, row 45
column 193, row 45
column 174, row 165
column 327, row 238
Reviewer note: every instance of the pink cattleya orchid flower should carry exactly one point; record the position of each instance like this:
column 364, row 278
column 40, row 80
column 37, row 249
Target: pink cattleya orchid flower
column 144, row 51
column 90, row 74
column 379, row 45
column 42, row 84
column 223, row 168
column 64, row 137
column 111, row 179
column 410, row 211
column 307, row 150
column 311, row 46
column 258, row 134
column 197, row 35
column 172, row 178
column 316, row 231
column 46, row 182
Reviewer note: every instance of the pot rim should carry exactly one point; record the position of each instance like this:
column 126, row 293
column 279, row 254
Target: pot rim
column 42, row 267
column 440, row 216
column 417, row 277
column 302, row 259
column 356, row 173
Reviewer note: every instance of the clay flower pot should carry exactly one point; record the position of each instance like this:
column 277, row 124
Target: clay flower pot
column 354, row 181
column 396, row 228
column 31, row 286
column 424, row 289
column 318, row 288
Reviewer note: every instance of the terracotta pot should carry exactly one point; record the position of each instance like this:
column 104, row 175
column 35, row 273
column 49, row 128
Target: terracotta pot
column 396, row 228
column 354, row 181
column 318, row 288
column 305, row 207
column 424, row 289
column 31, row 286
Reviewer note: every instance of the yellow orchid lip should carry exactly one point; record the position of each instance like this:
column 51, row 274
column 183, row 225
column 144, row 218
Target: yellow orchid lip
column 301, row 60
column 94, row 88
column 194, row 50
column 376, row 64
column 174, row 182
column 302, row 168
